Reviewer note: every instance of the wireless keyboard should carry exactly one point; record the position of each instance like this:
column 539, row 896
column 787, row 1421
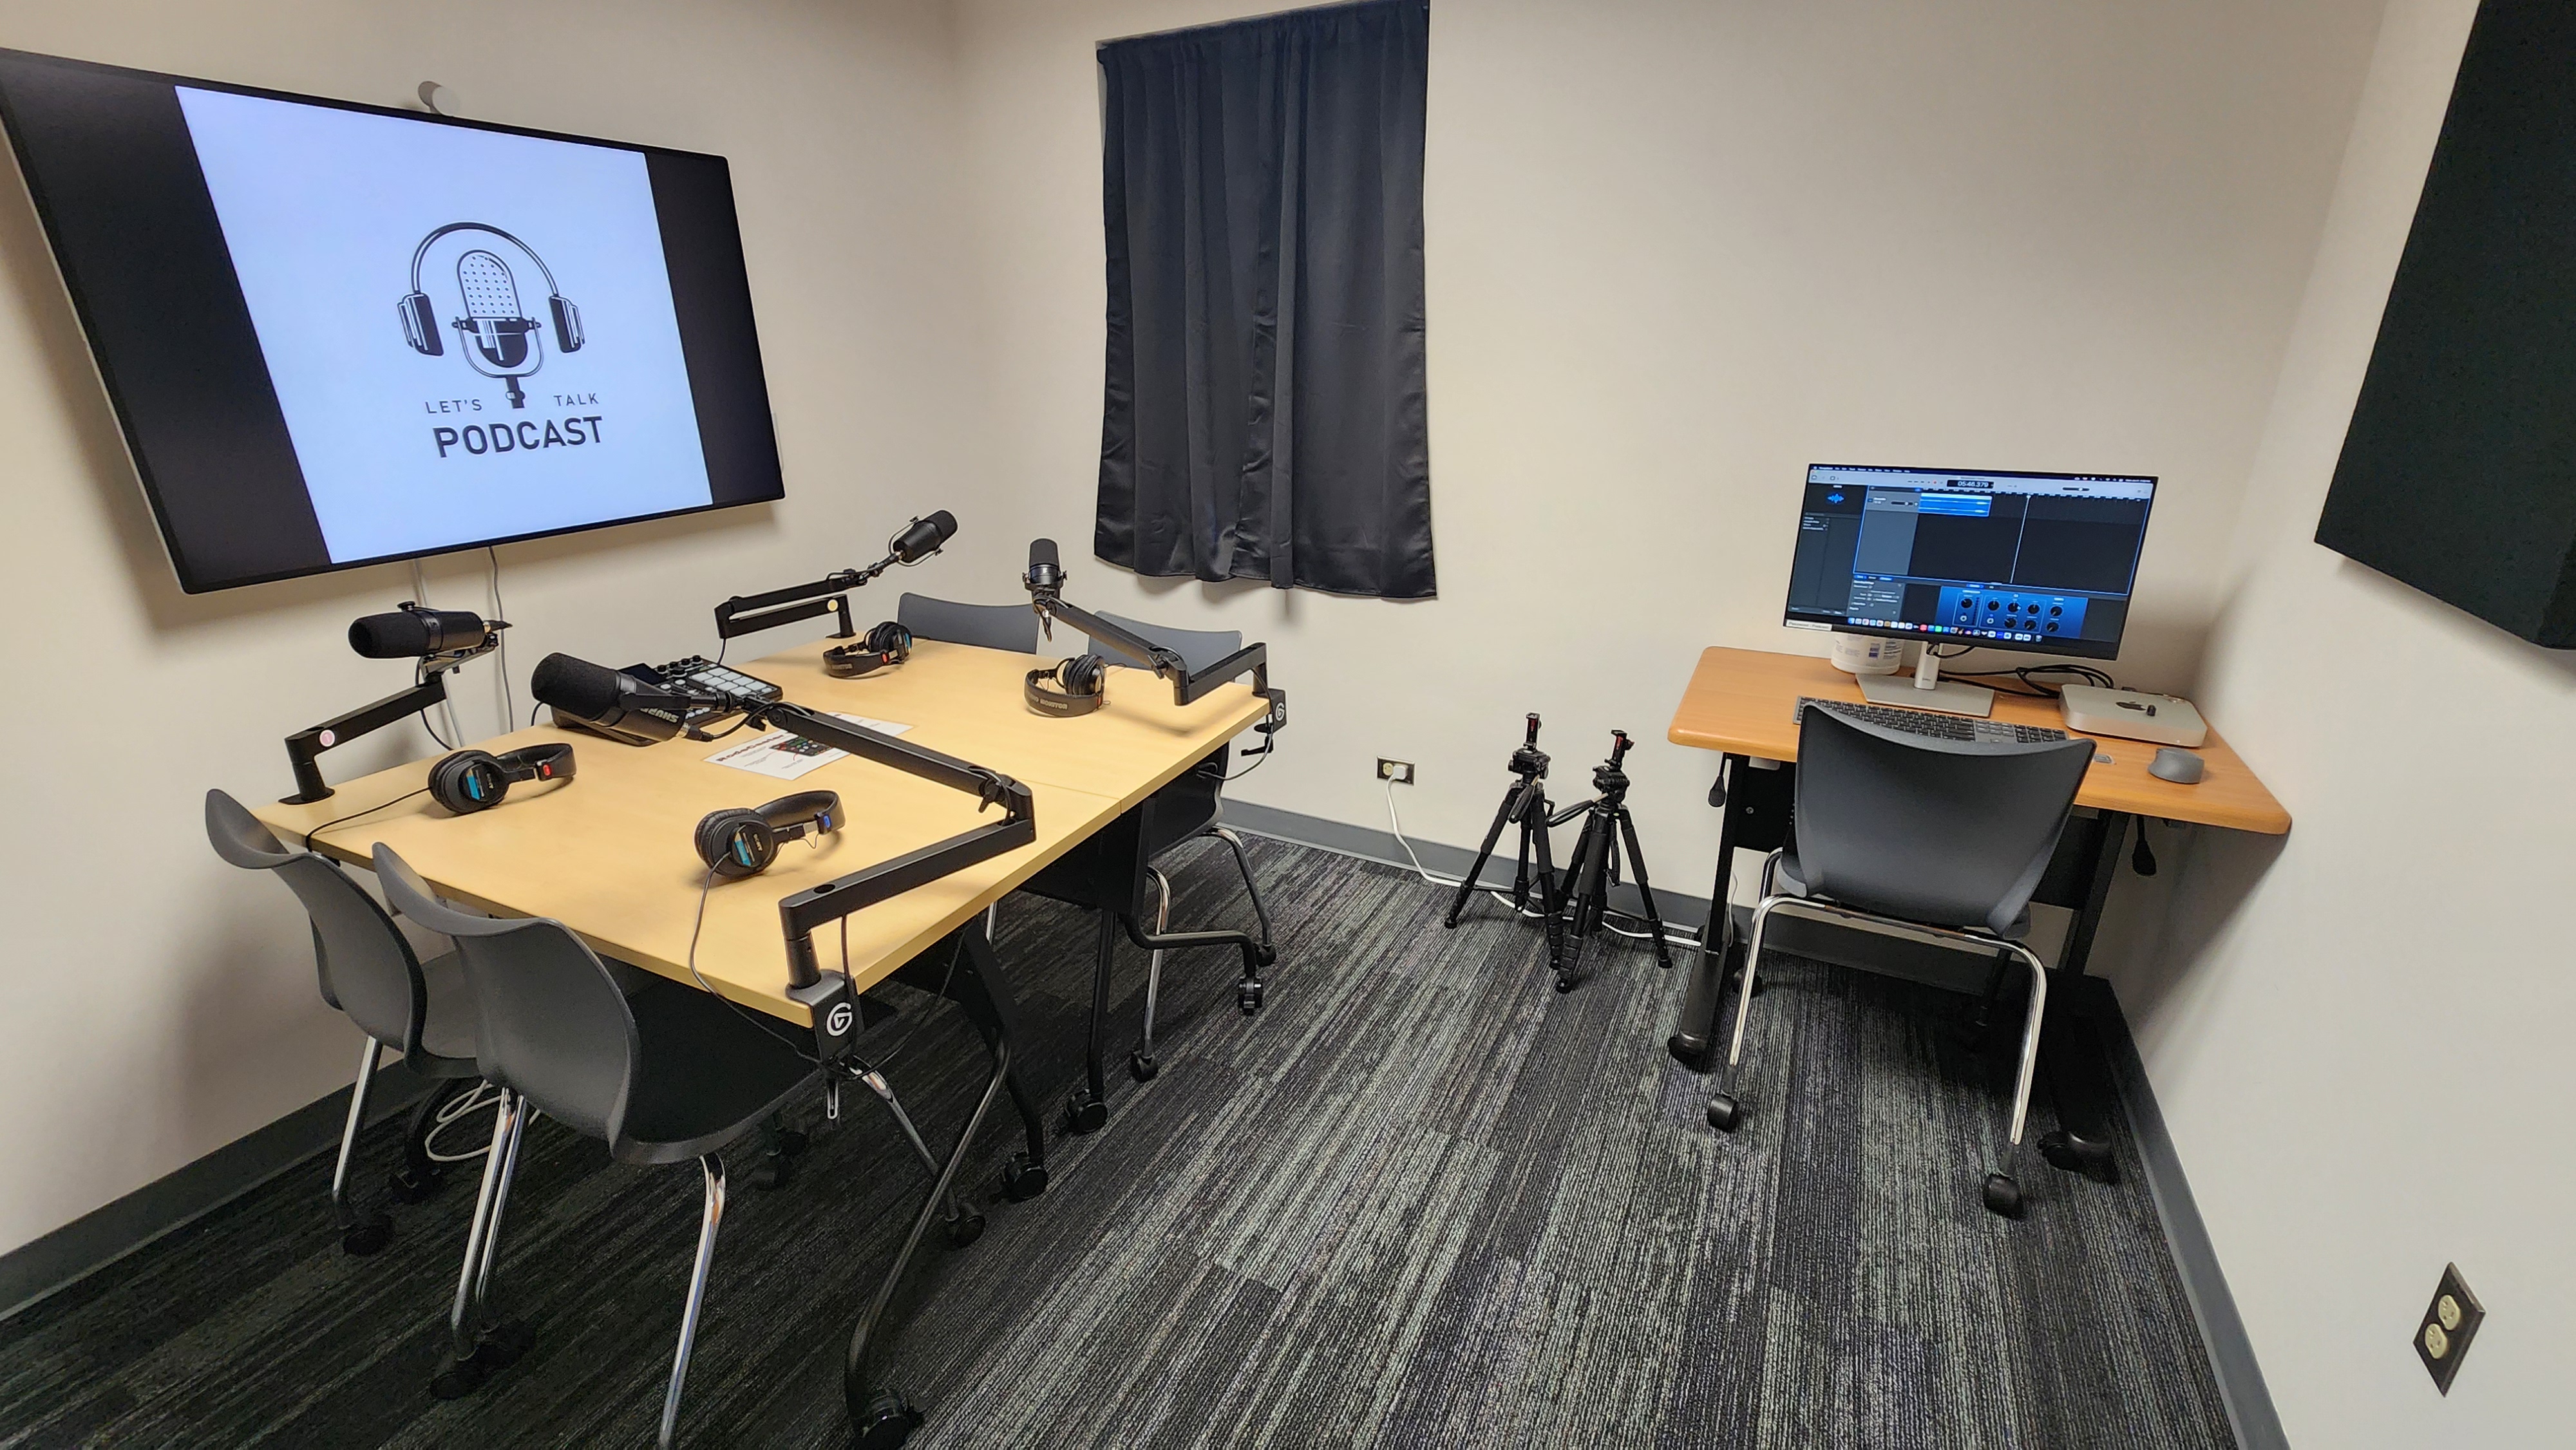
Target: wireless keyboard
column 1935, row 725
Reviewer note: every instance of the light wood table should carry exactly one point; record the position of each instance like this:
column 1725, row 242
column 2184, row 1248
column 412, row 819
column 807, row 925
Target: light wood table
column 1743, row 703
column 609, row 853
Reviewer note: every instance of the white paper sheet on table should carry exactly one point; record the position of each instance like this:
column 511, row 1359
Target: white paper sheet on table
column 784, row 755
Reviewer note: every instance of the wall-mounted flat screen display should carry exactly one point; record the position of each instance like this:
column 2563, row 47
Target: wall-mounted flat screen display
column 339, row 334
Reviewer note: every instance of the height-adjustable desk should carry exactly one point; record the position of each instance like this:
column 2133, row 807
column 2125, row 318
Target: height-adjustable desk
column 609, row 853
column 1742, row 703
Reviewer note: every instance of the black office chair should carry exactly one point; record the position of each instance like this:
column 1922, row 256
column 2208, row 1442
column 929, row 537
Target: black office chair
column 1947, row 837
column 369, row 972
column 662, row 1076
column 1190, row 807
column 1012, row 627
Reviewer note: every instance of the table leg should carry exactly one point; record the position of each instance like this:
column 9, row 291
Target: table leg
column 1706, row 988
column 2071, row 1051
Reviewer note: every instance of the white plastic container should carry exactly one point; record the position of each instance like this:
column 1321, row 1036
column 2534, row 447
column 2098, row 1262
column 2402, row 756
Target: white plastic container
column 1868, row 654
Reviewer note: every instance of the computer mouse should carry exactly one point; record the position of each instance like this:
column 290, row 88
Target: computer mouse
column 2178, row 765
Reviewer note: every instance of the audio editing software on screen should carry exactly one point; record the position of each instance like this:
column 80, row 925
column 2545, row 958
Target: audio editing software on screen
column 2040, row 562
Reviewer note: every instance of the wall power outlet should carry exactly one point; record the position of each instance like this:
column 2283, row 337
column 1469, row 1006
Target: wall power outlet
column 1399, row 771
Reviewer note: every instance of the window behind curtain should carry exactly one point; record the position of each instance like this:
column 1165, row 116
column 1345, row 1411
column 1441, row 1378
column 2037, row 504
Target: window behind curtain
column 1264, row 410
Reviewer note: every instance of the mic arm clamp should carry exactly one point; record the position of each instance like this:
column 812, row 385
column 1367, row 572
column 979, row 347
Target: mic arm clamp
column 808, row 911
column 1046, row 596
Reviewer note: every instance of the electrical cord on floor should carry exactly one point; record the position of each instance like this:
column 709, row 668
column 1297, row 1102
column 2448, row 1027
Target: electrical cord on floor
column 1396, row 824
column 353, row 815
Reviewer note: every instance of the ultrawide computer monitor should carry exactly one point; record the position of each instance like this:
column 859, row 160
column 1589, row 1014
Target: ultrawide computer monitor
column 339, row 334
column 2041, row 562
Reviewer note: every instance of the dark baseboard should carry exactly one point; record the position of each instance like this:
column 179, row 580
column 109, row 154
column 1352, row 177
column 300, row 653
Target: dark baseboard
column 2222, row 1332
column 2231, row 1353
column 108, row 1233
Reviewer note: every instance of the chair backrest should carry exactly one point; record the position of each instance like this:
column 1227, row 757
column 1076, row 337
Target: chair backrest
column 555, row 1027
column 1012, row 627
column 1950, row 833
column 367, row 968
column 1198, row 648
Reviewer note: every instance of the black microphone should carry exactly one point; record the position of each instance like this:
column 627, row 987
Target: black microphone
column 923, row 538
column 608, row 702
column 1046, row 572
column 414, row 633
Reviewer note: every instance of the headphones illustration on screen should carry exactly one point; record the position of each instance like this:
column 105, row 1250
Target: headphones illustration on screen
column 1085, row 682
column 736, row 843
column 500, row 338
column 475, row 780
column 887, row 645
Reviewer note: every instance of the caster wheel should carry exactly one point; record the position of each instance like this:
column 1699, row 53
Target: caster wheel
column 1268, row 955
column 886, row 1422
column 1725, row 1114
column 1023, row 1180
column 1084, row 1113
column 965, row 1229
column 498, row 1349
column 1142, row 1066
column 1565, row 984
column 773, row 1172
column 404, row 1186
column 366, row 1238
column 2070, row 1154
column 1247, row 997
column 2003, row 1196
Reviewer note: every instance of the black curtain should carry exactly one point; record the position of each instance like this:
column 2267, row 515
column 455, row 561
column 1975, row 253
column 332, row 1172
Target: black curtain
column 1262, row 191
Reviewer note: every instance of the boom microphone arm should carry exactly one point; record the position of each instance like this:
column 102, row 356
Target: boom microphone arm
column 801, row 915
column 1045, row 583
column 747, row 614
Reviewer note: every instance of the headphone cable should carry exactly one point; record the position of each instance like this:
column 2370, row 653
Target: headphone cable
column 369, row 811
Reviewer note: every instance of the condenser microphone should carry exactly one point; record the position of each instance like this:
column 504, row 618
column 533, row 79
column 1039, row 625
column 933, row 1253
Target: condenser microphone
column 414, row 633
column 502, row 337
column 607, row 702
column 923, row 538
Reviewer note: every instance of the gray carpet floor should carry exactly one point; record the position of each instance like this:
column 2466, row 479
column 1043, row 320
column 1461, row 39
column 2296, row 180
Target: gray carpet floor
column 1421, row 1199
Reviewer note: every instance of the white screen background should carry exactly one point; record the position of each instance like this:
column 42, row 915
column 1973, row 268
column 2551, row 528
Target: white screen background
column 321, row 210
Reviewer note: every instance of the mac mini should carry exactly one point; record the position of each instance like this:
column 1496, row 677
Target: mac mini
column 2133, row 715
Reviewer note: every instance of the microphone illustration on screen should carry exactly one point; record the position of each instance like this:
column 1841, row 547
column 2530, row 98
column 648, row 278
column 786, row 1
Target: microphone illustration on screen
column 500, row 340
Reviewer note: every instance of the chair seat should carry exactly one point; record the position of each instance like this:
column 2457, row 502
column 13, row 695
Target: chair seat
column 708, row 1075
column 1788, row 875
column 448, row 1038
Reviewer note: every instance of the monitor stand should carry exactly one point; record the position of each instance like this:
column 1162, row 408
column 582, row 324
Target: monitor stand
column 1928, row 691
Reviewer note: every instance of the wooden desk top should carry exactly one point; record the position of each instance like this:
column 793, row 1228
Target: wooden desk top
column 1742, row 701
column 609, row 855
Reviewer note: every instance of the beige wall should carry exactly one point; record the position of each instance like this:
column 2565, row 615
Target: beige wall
column 2365, row 1064
column 154, row 1003
column 1677, row 251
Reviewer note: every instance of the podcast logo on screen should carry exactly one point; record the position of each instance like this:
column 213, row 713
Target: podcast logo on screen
column 497, row 338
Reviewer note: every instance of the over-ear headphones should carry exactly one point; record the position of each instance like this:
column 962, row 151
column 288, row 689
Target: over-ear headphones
column 736, row 843
column 420, row 320
column 1085, row 681
column 887, row 644
column 475, row 780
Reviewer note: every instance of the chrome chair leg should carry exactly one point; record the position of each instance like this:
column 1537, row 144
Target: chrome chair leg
column 714, row 1168
column 359, row 1236
column 1243, row 864
column 1724, row 1111
column 1154, row 964
column 500, row 1202
column 460, row 1320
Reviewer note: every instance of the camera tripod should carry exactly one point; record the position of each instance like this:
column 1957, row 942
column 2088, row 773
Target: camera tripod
column 1524, row 804
column 1594, row 868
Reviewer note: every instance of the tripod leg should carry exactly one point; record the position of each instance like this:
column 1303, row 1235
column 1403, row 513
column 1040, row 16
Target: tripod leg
column 1637, row 864
column 1476, row 872
column 1550, row 901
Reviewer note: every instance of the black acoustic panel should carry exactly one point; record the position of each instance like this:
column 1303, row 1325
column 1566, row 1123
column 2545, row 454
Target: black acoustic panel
column 2458, row 473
